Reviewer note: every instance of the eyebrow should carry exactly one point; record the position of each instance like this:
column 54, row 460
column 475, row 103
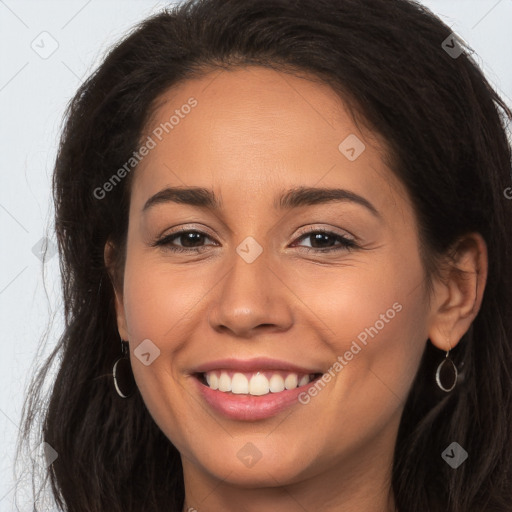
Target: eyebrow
column 294, row 198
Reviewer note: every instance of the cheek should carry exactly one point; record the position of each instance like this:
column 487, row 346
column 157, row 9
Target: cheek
column 376, row 336
column 156, row 305
column 375, row 322
column 158, row 298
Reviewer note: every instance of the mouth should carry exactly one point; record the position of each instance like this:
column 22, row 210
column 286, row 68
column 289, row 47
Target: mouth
column 242, row 392
column 255, row 383
column 252, row 389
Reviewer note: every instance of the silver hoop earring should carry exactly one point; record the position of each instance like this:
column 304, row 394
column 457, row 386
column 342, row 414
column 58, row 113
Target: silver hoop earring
column 124, row 381
column 446, row 374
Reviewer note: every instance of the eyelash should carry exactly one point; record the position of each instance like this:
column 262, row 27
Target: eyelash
column 347, row 244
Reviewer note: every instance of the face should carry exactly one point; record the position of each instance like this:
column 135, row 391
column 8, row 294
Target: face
column 320, row 293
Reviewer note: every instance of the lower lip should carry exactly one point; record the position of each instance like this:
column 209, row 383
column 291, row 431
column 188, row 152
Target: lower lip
column 249, row 407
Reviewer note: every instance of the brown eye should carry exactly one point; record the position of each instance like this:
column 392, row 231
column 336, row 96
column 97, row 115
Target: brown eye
column 189, row 240
column 324, row 241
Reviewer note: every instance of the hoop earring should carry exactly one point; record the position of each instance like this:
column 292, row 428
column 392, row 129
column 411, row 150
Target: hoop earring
column 446, row 374
column 124, row 381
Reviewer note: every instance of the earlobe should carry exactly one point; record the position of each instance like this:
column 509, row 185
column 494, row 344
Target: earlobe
column 108, row 255
column 458, row 297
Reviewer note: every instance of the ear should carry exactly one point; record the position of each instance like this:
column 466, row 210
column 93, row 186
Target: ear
column 108, row 256
column 458, row 294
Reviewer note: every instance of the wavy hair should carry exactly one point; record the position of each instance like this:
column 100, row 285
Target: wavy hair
column 445, row 131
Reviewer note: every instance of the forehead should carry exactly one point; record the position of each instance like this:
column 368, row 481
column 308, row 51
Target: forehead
column 250, row 130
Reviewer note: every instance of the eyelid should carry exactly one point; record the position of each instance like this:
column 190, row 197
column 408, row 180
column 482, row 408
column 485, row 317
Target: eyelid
column 331, row 229
column 348, row 243
column 303, row 230
column 186, row 228
column 161, row 240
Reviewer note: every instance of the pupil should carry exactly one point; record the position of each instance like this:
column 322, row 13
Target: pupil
column 319, row 236
column 189, row 237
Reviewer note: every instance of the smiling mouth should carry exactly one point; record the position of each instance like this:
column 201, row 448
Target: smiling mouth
column 258, row 383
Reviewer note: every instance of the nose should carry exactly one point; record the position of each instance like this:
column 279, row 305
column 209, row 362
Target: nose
column 251, row 298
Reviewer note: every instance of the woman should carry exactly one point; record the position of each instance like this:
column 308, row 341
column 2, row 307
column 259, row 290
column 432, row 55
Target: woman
column 288, row 223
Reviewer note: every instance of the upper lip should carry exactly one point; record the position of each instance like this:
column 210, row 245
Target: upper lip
column 251, row 365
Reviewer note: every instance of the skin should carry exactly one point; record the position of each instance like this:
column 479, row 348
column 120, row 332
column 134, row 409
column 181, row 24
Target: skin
column 254, row 133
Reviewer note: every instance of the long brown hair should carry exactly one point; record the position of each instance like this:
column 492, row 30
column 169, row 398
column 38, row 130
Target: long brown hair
column 444, row 127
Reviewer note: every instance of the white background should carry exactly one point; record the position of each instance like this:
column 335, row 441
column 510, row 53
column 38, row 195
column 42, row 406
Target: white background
column 33, row 95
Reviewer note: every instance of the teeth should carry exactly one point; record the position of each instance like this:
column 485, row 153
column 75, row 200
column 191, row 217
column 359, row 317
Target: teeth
column 259, row 385
column 276, row 383
column 213, row 380
column 239, row 384
column 302, row 382
column 256, row 384
column 224, row 382
column 291, row 381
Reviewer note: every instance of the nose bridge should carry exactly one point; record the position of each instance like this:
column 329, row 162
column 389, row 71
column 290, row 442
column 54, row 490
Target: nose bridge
column 250, row 294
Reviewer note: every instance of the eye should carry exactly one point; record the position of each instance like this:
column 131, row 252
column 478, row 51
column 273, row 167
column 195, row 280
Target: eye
column 191, row 241
column 325, row 239
column 188, row 236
